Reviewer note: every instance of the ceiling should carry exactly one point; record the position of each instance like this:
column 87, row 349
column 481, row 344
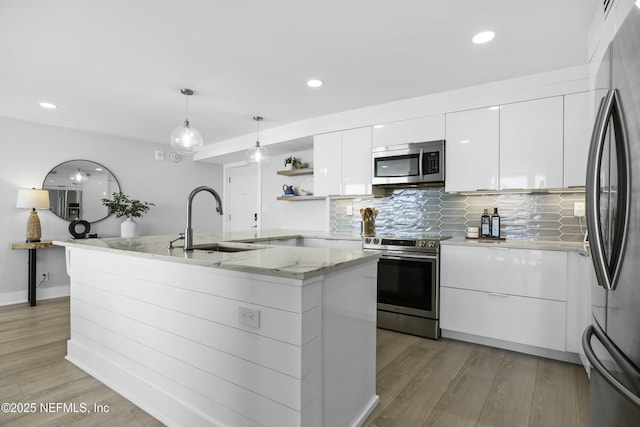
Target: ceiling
column 116, row 67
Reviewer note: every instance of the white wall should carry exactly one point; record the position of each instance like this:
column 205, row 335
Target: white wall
column 307, row 215
column 31, row 150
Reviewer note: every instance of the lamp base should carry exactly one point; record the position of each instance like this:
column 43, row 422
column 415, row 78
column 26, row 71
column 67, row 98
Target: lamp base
column 34, row 232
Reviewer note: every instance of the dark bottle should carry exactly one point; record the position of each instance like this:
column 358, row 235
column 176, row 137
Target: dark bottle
column 495, row 224
column 485, row 224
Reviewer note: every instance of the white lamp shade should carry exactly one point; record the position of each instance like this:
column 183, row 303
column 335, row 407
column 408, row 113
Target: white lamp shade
column 33, row 199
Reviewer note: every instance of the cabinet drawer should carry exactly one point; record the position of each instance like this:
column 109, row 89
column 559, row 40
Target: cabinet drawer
column 529, row 321
column 523, row 272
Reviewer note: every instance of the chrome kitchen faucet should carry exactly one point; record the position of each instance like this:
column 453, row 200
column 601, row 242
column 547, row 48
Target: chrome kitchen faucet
column 188, row 232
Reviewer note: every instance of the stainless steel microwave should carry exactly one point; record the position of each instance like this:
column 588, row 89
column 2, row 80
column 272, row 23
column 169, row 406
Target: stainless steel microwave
column 415, row 163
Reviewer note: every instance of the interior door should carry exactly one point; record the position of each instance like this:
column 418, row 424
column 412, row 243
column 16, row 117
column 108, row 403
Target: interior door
column 243, row 198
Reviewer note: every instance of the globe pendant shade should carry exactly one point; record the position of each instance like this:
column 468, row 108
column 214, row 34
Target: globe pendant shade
column 257, row 154
column 185, row 139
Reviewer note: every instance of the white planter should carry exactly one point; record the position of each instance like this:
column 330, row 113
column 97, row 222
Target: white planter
column 128, row 228
column 288, row 166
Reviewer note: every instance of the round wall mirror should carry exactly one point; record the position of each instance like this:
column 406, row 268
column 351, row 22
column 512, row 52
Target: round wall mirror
column 76, row 189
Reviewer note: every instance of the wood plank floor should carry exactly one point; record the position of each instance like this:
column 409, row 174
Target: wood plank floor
column 421, row 382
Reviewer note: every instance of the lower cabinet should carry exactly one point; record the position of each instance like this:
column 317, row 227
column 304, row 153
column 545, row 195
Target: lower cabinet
column 529, row 321
column 514, row 295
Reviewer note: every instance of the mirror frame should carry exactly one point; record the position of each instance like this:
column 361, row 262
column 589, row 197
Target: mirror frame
column 109, row 174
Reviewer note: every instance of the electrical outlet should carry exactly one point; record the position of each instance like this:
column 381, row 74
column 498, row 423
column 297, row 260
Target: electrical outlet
column 249, row 317
column 578, row 209
column 45, row 276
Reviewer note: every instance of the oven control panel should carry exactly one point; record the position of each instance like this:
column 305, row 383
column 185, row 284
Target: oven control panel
column 386, row 243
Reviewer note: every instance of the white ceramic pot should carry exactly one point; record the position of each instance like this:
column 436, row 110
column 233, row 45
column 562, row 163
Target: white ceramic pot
column 288, row 166
column 128, row 228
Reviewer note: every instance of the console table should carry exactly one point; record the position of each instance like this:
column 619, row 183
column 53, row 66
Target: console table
column 32, row 247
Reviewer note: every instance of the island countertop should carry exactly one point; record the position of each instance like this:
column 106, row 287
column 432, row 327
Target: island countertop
column 282, row 261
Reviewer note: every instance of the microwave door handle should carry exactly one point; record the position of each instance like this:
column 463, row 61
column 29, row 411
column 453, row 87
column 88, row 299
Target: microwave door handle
column 619, row 236
column 627, row 367
column 420, row 161
column 594, row 165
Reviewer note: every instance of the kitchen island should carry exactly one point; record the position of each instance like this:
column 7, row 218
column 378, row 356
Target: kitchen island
column 246, row 335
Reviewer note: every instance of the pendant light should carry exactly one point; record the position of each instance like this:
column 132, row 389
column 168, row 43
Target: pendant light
column 185, row 139
column 79, row 177
column 257, row 154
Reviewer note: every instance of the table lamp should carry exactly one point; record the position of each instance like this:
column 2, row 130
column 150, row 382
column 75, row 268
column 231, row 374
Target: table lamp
column 33, row 199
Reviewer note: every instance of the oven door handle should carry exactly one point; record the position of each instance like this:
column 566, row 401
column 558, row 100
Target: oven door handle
column 410, row 256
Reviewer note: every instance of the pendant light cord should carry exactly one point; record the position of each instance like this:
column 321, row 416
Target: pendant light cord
column 257, row 119
column 186, row 103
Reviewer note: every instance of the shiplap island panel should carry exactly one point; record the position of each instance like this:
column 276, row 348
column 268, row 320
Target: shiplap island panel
column 165, row 330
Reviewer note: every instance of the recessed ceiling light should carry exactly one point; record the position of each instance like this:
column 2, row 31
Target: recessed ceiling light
column 48, row 105
column 314, row 83
column 465, row 141
column 483, row 37
column 381, row 126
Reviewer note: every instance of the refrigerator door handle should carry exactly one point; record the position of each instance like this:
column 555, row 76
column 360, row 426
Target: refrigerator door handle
column 627, row 366
column 610, row 107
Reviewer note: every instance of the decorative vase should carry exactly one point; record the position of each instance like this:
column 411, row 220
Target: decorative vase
column 288, row 166
column 128, row 228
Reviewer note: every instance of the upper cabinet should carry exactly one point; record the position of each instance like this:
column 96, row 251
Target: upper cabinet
column 342, row 162
column 472, row 150
column 536, row 144
column 578, row 122
column 327, row 163
column 531, row 144
column 430, row 128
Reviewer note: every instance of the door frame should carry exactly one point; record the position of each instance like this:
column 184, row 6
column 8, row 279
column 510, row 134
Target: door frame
column 225, row 190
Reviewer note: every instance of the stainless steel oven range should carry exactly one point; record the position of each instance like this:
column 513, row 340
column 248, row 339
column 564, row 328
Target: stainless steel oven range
column 408, row 283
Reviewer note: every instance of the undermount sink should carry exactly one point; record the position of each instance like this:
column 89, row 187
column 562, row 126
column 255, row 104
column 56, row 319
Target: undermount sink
column 219, row 247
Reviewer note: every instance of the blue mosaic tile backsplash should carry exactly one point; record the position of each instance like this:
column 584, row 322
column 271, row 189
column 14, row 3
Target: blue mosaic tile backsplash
column 407, row 212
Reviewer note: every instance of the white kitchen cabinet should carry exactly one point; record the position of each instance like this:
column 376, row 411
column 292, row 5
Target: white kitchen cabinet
column 581, row 278
column 514, row 295
column 531, row 144
column 528, row 321
column 327, row 164
column 578, row 123
column 342, row 162
column 473, row 149
column 356, row 161
column 429, row 128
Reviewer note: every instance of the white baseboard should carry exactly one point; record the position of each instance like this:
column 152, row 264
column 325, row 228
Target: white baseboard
column 366, row 411
column 10, row 298
column 563, row 356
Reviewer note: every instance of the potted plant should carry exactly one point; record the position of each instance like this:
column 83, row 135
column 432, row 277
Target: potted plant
column 289, row 162
column 123, row 205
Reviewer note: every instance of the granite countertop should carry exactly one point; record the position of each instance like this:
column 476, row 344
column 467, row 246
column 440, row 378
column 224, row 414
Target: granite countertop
column 281, row 261
column 546, row 245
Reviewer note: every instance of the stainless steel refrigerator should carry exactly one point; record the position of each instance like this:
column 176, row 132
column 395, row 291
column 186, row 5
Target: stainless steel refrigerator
column 612, row 342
